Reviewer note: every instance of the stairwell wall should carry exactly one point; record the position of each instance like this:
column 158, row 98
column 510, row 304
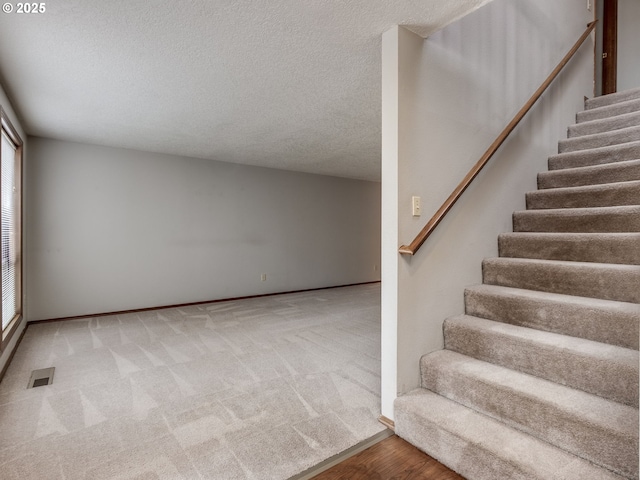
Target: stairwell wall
column 114, row 229
column 445, row 99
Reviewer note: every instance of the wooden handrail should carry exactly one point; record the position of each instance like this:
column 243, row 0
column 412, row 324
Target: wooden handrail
column 413, row 247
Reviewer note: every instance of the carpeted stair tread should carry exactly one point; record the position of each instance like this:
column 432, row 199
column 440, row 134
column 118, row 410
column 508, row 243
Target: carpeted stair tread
column 624, row 218
column 606, row 195
column 612, row 98
column 628, row 170
column 597, row 368
column 606, row 321
column 604, row 125
column 541, row 373
column 608, row 281
column 597, row 140
column 595, row 156
column 591, row 427
column 622, row 248
column 481, row 448
column 608, row 111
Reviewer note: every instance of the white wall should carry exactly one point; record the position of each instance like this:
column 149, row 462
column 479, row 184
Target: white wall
column 114, row 229
column 628, row 44
column 393, row 48
column 8, row 108
column 452, row 94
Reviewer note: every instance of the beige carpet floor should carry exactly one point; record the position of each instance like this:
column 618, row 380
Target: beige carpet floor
column 253, row 389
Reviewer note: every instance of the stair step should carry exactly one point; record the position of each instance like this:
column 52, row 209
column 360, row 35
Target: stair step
column 607, row 195
column 604, row 125
column 597, row 140
column 623, row 248
column 612, row 98
column 608, row 111
column 607, row 281
column 539, row 379
column 628, row 170
column 608, row 371
column 579, row 220
column 482, row 448
column 606, row 321
column 595, row 156
column 570, row 419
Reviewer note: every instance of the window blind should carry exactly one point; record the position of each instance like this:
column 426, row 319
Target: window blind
column 8, row 229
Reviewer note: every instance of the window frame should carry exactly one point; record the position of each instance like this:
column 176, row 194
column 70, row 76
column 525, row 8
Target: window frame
column 7, row 127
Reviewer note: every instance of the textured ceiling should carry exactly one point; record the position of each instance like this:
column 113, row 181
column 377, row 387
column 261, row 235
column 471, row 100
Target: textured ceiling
column 289, row 84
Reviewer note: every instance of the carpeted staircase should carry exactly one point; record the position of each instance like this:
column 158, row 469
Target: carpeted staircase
column 539, row 379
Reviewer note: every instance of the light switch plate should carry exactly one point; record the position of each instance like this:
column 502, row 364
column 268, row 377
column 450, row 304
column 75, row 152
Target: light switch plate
column 416, row 206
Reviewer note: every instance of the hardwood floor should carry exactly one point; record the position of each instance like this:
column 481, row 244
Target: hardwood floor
column 390, row 459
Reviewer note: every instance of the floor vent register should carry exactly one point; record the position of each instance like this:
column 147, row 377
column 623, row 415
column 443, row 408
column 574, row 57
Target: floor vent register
column 41, row 377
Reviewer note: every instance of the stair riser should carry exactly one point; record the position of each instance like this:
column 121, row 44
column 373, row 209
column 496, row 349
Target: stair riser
column 605, row 125
column 611, row 380
column 627, row 193
column 446, row 448
column 615, row 324
column 607, row 112
column 626, row 135
column 612, row 173
column 582, row 280
column 597, row 222
column 612, row 99
column 599, row 156
column 438, row 430
column 622, row 249
column 534, row 416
